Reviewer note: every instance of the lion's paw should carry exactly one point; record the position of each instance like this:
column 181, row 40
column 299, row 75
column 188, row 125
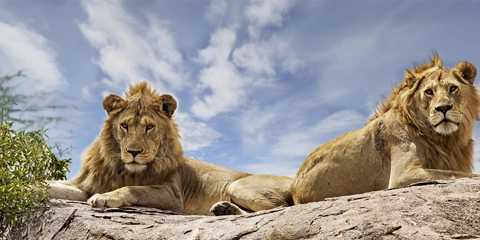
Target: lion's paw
column 225, row 208
column 105, row 200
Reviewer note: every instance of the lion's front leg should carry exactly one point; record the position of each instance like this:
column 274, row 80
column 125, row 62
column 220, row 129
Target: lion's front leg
column 419, row 175
column 66, row 190
column 112, row 199
column 165, row 197
column 406, row 169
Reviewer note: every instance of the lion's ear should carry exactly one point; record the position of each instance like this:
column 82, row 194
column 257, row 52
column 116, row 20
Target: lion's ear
column 410, row 74
column 410, row 77
column 168, row 105
column 467, row 71
column 112, row 102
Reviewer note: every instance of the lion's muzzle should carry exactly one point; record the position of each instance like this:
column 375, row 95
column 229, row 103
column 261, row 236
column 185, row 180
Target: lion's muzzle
column 445, row 120
column 136, row 160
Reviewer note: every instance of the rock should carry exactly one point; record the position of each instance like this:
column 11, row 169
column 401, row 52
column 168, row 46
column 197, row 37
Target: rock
column 434, row 210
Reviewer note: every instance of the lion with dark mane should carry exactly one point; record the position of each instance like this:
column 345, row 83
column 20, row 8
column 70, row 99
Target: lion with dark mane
column 423, row 132
column 138, row 160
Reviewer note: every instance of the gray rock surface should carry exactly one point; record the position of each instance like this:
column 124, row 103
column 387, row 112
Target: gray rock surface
column 436, row 210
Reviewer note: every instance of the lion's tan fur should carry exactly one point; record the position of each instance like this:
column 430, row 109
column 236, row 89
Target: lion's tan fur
column 399, row 145
column 138, row 160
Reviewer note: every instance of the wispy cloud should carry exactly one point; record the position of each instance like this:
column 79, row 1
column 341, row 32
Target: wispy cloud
column 195, row 135
column 130, row 49
column 255, row 58
column 263, row 13
column 29, row 51
column 221, row 81
column 216, row 9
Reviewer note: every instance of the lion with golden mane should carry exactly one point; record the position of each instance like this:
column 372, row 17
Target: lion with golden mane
column 423, row 132
column 138, row 160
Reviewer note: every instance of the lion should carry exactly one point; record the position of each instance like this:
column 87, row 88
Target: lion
column 422, row 133
column 138, row 160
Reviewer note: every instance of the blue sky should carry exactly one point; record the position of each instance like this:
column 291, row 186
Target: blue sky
column 259, row 84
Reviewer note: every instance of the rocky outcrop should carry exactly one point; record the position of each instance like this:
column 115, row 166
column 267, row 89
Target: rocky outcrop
column 436, row 210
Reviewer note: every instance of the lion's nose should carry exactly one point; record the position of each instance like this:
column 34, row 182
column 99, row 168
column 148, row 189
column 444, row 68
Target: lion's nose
column 444, row 109
column 134, row 152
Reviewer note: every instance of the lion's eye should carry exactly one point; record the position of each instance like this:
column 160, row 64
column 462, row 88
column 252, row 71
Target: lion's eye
column 150, row 127
column 453, row 88
column 429, row 92
column 124, row 126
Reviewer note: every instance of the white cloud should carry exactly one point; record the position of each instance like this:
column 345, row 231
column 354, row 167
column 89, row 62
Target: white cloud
column 29, row 51
column 131, row 50
column 216, row 9
column 255, row 58
column 221, row 45
column 226, row 87
column 260, row 58
column 221, row 77
column 263, row 13
column 195, row 135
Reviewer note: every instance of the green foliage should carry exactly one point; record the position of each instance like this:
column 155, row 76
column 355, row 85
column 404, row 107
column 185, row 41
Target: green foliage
column 26, row 163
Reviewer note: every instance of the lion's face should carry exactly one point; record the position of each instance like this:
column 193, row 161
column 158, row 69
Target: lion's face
column 139, row 138
column 139, row 126
column 440, row 96
column 443, row 99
